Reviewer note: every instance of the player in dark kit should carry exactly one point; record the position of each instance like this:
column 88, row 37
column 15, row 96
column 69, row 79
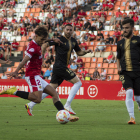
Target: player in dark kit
column 128, row 63
column 33, row 61
column 60, row 70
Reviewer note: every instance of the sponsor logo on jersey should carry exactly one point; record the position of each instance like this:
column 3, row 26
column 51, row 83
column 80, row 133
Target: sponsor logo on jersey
column 134, row 41
column 31, row 50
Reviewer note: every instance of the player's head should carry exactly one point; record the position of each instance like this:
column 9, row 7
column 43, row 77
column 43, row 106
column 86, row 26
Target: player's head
column 68, row 30
column 41, row 34
column 128, row 27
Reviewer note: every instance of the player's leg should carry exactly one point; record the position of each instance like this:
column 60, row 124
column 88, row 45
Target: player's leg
column 71, row 77
column 57, row 103
column 137, row 89
column 127, row 82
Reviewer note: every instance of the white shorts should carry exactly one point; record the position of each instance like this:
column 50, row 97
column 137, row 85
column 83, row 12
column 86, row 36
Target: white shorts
column 36, row 83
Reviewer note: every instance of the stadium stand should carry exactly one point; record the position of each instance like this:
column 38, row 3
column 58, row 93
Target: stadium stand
column 92, row 21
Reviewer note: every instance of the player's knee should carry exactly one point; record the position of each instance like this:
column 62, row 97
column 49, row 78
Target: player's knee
column 38, row 101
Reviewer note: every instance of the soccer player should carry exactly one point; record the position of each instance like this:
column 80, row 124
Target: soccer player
column 60, row 70
column 33, row 69
column 128, row 63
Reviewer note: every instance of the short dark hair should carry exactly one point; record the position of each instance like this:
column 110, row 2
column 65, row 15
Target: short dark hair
column 68, row 25
column 41, row 31
column 128, row 20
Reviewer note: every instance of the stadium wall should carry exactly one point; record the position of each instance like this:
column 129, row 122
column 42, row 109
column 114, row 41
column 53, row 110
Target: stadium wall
column 96, row 90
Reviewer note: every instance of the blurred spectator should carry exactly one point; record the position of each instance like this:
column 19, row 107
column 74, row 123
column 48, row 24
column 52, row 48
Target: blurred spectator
column 56, row 34
column 50, row 33
column 1, row 25
column 103, row 74
column 11, row 12
column 96, row 74
column 108, row 78
column 0, row 40
column 54, row 21
column 132, row 4
column 15, row 31
column 109, row 40
column 4, row 76
column 100, row 47
column 102, row 19
column 124, row 14
column 110, row 58
column 101, row 25
column 15, row 45
column 87, row 24
column 73, row 66
column 87, row 77
column 82, row 77
column 79, row 62
column 83, row 71
column 73, row 7
column 86, row 35
column 47, row 73
column 91, row 37
column 135, row 32
column 50, row 77
column 116, row 36
column 84, row 45
column 118, row 12
column 110, row 6
column 99, row 36
column 32, row 4
column 14, row 21
column 94, row 26
column 59, row 16
column 46, row 62
column 81, row 15
column 73, row 54
column 136, row 19
column 59, row 29
column 1, row 54
column 112, row 20
column 23, row 31
column 95, row 5
column 105, row 6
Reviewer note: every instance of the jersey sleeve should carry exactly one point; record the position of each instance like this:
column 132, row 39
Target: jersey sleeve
column 30, row 51
column 77, row 48
column 118, row 51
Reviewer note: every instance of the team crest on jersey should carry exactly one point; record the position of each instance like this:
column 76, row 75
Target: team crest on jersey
column 134, row 41
column 31, row 50
column 121, row 45
column 74, row 43
column 40, row 87
column 72, row 74
column 65, row 43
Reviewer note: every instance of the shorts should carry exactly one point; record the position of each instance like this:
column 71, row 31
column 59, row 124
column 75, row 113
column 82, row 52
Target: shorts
column 131, row 79
column 62, row 74
column 97, row 49
column 36, row 83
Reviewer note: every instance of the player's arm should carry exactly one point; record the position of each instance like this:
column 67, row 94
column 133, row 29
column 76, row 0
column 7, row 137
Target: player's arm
column 21, row 65
column 80, row 52
column 50, row 42
column 118, row 58
column 5, row 62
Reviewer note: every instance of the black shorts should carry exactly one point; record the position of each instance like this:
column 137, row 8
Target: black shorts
column 131, row 79
column 61, row 74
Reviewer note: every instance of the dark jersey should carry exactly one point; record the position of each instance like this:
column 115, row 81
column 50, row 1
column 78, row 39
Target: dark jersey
column 63, row 51
column 128, row 51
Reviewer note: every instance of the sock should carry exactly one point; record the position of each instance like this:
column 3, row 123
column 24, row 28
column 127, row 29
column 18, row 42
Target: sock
column 73, row 92
column 31, row 104
column 129, row 102
column 137, row 99
column 22, row 94
column 59, row 105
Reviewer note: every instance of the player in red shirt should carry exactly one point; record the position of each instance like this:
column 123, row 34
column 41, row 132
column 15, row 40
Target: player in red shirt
column 33, row 58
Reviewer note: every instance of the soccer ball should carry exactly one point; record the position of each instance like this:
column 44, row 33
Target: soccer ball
column 63, row 116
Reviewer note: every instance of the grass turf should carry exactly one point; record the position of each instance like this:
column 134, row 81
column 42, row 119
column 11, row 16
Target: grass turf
column 99, row 120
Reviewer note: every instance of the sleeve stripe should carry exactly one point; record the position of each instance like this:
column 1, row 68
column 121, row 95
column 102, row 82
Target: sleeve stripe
column 28, row 55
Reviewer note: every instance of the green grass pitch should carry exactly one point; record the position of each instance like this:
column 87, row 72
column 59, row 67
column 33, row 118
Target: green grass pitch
column 99, row 120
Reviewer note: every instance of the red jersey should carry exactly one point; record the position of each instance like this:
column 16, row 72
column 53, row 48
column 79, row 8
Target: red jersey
column 23, row 30
column 135, row 18
column 34, row 66
column 118, row 13
column 117, row 34
column 13, row 45
column 37, row 20
column 12, row 3
column 13, row 21
column 4, row 20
